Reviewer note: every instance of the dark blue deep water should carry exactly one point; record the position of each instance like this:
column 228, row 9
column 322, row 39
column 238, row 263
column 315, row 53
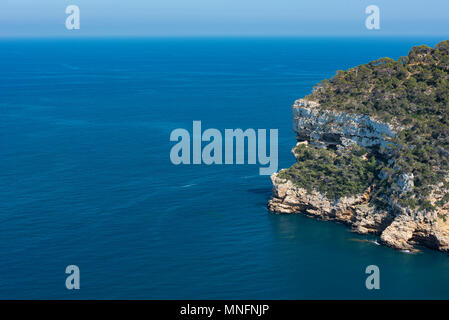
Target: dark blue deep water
column 85, row 175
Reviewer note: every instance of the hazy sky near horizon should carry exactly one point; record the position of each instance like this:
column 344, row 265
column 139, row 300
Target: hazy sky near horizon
column 42, row 18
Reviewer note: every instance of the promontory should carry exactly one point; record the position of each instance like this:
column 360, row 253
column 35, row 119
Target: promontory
column 372, row 151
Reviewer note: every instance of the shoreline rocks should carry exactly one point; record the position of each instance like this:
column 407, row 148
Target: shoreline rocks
column 399, row 228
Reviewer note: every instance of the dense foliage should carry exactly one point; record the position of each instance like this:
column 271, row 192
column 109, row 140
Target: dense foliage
column 413, row 94
column 336, row 175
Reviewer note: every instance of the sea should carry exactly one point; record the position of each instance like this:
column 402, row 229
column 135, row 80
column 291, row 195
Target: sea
column 86, row 177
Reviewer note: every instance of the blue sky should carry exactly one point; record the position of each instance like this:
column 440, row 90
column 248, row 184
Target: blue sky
column 43, row 18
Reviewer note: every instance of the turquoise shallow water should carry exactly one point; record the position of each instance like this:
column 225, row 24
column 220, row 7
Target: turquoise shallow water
column 85, row 176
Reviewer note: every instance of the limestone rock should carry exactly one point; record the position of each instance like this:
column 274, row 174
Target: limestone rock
column 398, row 227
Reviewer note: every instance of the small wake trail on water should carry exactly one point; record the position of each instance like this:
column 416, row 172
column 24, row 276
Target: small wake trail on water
column 188, row 185
column 366, row 241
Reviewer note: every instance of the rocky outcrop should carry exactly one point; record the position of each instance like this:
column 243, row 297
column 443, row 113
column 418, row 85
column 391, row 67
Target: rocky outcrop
column 353, row 211
column 398, row 227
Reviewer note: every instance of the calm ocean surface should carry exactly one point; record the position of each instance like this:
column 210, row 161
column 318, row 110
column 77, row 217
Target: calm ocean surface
column 85, row 175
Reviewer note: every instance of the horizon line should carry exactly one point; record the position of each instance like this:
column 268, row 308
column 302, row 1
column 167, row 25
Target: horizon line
column 358, row 35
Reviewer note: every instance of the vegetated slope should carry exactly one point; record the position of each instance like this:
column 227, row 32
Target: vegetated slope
column 411, row 94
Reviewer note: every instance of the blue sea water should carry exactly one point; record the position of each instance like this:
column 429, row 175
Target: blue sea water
column 86, row 179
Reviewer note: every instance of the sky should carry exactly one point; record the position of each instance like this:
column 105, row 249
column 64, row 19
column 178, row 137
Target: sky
column 46, row 18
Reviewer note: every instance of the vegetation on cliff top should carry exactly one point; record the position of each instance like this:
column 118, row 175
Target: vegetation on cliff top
column 413, row 94
column 335, row 174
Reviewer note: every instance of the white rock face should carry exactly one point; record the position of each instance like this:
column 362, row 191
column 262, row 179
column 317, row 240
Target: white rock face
column 338, row 128
column 399, row 228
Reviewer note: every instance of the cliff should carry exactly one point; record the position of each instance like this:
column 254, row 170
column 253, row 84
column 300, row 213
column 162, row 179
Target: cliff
column 372, row 149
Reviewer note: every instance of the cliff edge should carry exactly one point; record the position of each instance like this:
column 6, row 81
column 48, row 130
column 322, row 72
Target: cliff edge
column 372, row 151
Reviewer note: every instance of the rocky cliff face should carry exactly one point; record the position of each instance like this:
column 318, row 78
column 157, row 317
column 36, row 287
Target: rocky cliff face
column 327, row 128
column 398, row 226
